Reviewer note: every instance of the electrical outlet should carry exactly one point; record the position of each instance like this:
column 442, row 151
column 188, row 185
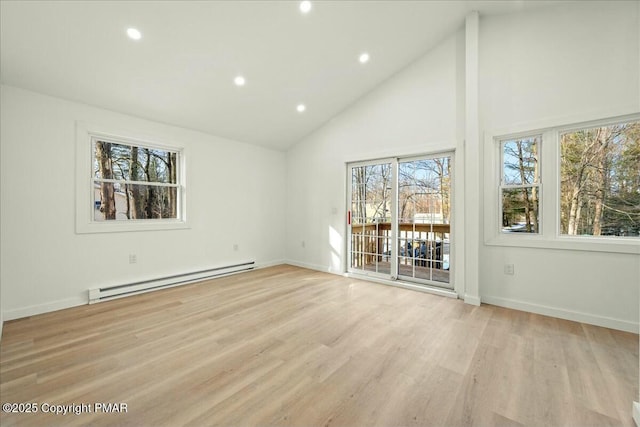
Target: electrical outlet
column 133, row 258
column 235, row 247
column 303, row 244
column 509, row 269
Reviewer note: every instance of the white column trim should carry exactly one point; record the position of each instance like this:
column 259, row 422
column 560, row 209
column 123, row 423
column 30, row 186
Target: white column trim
column 472, row 187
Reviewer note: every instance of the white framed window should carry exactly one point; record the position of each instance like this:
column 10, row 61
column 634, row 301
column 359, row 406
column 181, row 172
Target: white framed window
column 591, row 176
column 520, row 184
column 127, row 183
column 600, row 180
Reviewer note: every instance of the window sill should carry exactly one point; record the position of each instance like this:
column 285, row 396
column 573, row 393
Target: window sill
column 130, row 226
column 590, row 244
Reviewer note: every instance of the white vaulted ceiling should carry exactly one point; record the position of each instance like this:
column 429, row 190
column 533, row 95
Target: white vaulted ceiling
column 182, row 70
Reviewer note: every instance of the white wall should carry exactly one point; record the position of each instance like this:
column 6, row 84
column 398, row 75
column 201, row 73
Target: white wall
column 560, row 64
column 415, row 112
column 236, row 194
column 556, row 67
column 543, row 67
column 548, row 66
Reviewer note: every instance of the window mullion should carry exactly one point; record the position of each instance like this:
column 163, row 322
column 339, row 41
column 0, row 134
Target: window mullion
column 125, row 182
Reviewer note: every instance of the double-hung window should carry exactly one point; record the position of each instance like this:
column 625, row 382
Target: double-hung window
column 134, row 182
column 520, row 185
column 127, row 183
column 591, row 196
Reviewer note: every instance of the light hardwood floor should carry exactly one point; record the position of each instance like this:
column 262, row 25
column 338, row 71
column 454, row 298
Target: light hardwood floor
column 284, row 346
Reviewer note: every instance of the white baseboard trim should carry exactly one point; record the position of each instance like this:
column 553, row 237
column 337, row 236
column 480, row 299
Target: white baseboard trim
column 313, row 267
column 270, row 263
column 636, row 413
column 33, row 310
column 48, row 307
column 577, row 316
column 472, row 299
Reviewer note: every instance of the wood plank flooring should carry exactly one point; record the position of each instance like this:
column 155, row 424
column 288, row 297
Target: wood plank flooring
column 285, row 346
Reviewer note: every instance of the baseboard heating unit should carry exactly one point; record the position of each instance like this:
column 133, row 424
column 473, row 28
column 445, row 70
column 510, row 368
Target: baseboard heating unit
column 119, row 291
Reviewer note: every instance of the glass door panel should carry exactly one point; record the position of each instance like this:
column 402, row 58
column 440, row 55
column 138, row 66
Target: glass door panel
column 424, row 213
column 370, row 221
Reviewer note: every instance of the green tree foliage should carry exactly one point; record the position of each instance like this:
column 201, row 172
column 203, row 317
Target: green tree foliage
column 600, row 181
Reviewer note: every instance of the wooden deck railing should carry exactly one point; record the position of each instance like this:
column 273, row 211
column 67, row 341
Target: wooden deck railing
column 372, row 241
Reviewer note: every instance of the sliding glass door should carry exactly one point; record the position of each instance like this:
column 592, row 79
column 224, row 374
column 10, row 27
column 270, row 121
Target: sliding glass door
column 399, row 219
column 370, row 218
column 424, row 226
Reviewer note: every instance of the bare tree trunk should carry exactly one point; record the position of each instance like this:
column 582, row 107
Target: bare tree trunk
column 138, row 202
column 107, row 192
column 597, row 227
column 579, row 230
column 574, row 212
column 151, row 191
column 582, row 180
column 601, row 147
column 444, row 191
column 361, row 191
column 173, row 192
column 126, row 192
column 385, row 184
column 447, row 218
column 534, row 190
column 525, row 193
column 403, row 209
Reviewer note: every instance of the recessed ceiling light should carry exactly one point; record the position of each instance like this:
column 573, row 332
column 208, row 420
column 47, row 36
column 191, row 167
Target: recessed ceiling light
column 134, row 33
column 301, row 108
column 305, row 6
column 363, row 58
column 239, row 81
